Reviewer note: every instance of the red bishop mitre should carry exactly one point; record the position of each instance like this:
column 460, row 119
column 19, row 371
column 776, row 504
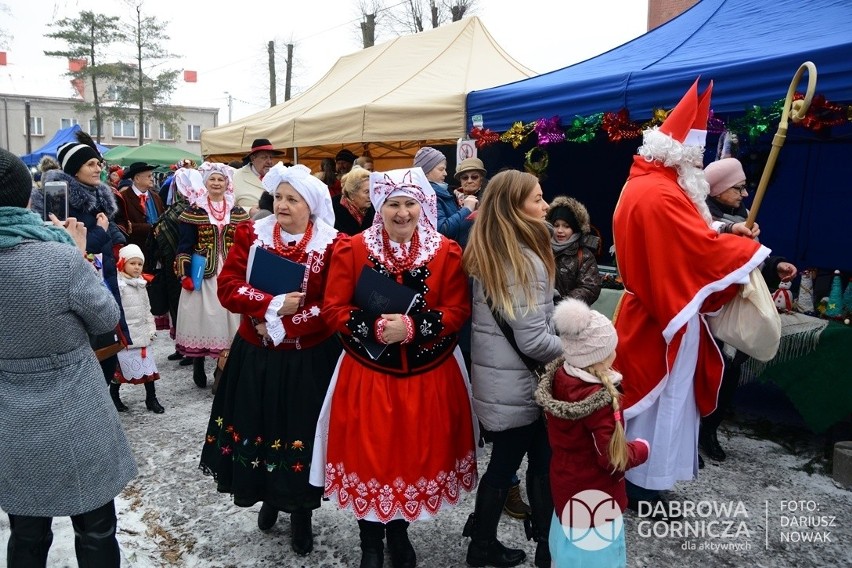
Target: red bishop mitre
column 687, row 122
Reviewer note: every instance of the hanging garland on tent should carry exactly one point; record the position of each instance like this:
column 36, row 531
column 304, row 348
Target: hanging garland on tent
column 617, row 126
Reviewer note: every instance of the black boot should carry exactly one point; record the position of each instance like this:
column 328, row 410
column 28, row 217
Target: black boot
column 708, row 442
column 372, row 546
column 484, row 548
column 267, row 517
column 301, row 533
column 198, row 375
column 217, row 375
column 176, row 356
column 29, row 540
column 541, row 503
column 401, row 552
column 94, row 538
column 151, row 402
column 113, row 393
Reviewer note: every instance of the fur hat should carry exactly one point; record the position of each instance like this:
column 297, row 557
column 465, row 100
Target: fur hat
column 724, row 174
column 588, row 337
column 131, row 251
column 571, row 211
column 427, row 158
column 48, row 163
column 16, row 183
column 470, row 164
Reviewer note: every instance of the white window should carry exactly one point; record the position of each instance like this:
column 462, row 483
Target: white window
column 146, row 131
column 36, row 126
column 67, row 122
column 93, row 127
column 193, row 132
column 123, row 129
column 165, row 132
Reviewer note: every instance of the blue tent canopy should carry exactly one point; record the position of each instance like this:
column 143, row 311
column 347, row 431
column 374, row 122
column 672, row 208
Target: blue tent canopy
column 61, row 137
column 749, row 49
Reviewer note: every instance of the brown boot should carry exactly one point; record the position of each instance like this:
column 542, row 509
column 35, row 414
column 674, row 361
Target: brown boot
column 515, row 506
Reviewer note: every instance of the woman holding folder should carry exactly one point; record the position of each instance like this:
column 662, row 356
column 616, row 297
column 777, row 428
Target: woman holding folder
column 396, row 433
column 206, row 234
column 262, row 423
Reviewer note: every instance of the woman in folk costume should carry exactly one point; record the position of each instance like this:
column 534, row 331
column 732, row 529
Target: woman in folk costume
column 380, row 414
column 264, row 415
column 204, row 328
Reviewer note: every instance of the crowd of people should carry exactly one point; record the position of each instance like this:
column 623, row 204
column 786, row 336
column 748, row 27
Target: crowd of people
column 417, row 315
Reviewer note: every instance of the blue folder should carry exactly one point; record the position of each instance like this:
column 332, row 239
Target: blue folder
column 273, row 274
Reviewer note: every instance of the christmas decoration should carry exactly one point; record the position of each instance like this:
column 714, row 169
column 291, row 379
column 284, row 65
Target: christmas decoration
column 584, row 129
column 516, row 134
column 834, row 305
column 847, row 298
column 618, row 126
column 549, row 131
column 484, row 136
column 805, row 301
column 537, row 166
column 783, row 298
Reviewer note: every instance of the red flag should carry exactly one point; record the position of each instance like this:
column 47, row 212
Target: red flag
column 2, row 58
column 190, row 76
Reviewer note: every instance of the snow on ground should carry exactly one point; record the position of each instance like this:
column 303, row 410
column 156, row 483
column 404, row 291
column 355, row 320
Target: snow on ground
column 171, row 514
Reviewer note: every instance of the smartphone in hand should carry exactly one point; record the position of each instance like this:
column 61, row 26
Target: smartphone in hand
column 55, row 200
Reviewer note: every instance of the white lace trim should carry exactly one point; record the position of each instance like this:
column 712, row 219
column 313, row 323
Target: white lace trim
column 274, row 325
column 430, row 242
column 323, row 235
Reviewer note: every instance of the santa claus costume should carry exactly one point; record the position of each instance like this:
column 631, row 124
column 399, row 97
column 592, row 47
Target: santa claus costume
column 676, row 270
column 397, row 434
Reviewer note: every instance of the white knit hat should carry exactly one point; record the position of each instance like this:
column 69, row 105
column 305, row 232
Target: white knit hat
column 131, row 251
column 588, row 337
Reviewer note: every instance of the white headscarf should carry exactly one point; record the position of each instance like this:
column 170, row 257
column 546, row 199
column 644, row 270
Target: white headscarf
column 189, row 183
column 209, row 168
column 312, row 190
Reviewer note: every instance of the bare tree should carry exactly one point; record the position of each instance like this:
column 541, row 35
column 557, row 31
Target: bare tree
column 413, row 16
column 148, row 93
column 369, row 18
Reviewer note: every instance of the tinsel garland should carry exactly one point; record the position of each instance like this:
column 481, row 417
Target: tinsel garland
column 617, row 126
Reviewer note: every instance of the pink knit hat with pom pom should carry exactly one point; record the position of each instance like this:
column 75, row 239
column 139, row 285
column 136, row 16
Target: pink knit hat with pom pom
column 588, row 337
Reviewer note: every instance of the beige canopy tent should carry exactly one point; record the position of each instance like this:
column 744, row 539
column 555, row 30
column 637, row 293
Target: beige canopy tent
column 386, row 100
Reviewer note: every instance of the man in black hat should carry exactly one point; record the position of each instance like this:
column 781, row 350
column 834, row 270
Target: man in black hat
column 247, row 185
column 139, row 208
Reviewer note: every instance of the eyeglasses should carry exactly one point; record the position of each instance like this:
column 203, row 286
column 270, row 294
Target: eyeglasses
column 473, row 177
column 742, row 188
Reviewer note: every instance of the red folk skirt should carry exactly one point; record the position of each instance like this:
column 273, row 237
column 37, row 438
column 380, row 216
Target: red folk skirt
column 399, row 448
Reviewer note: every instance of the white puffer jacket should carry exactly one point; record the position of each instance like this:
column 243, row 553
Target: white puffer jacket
column 137, row 310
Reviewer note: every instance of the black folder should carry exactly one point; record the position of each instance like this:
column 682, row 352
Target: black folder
column 273, row 274
column 376, row 295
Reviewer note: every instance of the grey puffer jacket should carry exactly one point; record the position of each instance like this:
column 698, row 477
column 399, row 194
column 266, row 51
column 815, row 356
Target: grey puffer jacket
column 503, row 387
column 62, row 445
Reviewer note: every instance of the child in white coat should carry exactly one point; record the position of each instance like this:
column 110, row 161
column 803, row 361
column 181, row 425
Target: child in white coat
column 135, row 363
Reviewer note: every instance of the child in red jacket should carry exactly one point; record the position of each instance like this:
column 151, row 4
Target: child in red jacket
column 579, row 393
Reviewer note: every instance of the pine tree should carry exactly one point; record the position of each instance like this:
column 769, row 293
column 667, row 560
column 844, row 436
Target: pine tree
column 88, row 37
column 834, row 307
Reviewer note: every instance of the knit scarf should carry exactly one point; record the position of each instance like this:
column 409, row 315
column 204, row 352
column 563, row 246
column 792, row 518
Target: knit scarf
column 18, row 224
column 559, row 247
column 356, row 213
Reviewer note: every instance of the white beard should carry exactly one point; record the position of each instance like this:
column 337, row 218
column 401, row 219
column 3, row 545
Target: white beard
column 687, row 160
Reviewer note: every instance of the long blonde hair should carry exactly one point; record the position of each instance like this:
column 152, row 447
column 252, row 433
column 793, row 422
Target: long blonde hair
column 618, row 456
column 493, row 254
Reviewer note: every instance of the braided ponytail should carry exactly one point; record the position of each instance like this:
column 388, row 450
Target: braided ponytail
column 617, row 444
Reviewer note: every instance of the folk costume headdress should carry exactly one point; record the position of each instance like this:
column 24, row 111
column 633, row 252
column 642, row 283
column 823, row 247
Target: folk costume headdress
column 410, row 182
column 207, row 169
